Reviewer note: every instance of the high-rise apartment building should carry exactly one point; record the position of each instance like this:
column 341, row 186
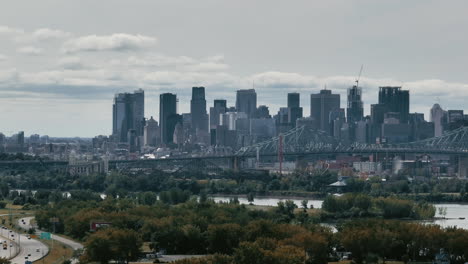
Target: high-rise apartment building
column 246, row 101
column 321, row 105
column 167, row 108
column 128, row 113
column 198, row 109
column 355, row 110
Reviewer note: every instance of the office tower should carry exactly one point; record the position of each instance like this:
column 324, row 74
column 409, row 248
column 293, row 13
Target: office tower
column 132, row 140
column 171, row 123
column 246, row 101
column 167, row 107
column 198, row 109
column 294, row 108
column 293, row 100
column 128, row 113
column 282, row 120
column 355, row 110
column 337, row 119
column 219, row 107
column 151, row 133
column 20, row 139
column 229, row 119
column 455, row 115
column 34, row 139
column 321, row 105
column 437, row 117
column 139, row 111
column 395, row 100
column 179, row 137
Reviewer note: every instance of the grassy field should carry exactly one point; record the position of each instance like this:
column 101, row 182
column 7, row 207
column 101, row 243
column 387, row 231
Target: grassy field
column 57, row 254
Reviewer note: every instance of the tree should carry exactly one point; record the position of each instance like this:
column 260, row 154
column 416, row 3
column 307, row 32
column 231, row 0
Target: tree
column 224, row 238
column 4, row 261
column 99, row 248
column 110, row 243
column 250, row 197
column 147, row 198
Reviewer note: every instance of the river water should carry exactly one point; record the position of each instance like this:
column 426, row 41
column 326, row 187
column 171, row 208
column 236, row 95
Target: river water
column 454, row 211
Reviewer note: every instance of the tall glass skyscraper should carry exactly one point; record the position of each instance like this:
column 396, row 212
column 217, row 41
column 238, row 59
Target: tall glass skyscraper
column 128, row 112
column 198, row 109
column 167, row 108
column 246, row 101
column 321, row 105
column 355, row 110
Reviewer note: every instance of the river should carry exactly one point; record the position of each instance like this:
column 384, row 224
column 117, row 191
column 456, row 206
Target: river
column 454, row 211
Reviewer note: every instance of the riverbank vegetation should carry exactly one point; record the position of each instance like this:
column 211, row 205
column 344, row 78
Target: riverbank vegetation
column 353, row 205
column 307, row 184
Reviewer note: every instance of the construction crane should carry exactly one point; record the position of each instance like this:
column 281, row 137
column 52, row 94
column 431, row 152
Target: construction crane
column 359, row 76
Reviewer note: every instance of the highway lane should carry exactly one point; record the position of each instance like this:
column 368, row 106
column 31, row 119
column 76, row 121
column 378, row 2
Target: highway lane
column 26, row 224
column 12, row 247
column 21, row 247
column 30, row 249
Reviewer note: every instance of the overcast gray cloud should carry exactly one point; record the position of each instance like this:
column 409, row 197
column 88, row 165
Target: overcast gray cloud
column 62, row 61
column 114, row 42
column 30, row 50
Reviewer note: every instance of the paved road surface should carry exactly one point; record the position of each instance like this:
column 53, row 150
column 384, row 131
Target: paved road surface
column 12, row 247
column 29, row 249
column 27, row 224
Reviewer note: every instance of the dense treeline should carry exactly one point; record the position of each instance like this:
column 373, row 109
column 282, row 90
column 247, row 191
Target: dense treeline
column 314, row 184
column 362, row 205
column 234, row 233
column 188, row 228
column 19, row 156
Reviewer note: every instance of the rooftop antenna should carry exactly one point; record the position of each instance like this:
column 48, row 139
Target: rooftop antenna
column 359, row 76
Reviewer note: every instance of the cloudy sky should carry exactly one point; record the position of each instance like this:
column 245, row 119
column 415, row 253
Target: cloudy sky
column 61, row 61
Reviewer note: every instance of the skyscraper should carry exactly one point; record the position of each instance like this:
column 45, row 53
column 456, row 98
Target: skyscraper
column 437, row 117
column 395, row 100
column 151, row 133
column 321, row 105
column 293, row 100
column 355, row 110
column 246, row 101
column 128, row 113
column 198, row 109
column 219, row 107
column 167, row 107
column 294, row 108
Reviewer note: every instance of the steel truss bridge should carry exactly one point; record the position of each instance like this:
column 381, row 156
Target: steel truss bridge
column 299, row 142
column 303, row 141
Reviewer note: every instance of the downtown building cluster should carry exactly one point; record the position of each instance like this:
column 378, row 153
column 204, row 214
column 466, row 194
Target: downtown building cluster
column 222, row 128
column 225, row 128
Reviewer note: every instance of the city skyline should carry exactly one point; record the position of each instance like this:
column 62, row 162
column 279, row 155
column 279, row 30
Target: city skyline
column 58, row 77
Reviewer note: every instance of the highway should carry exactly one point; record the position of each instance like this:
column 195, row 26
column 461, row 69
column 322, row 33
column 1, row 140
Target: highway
column 25, row 223
column 29, row 249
